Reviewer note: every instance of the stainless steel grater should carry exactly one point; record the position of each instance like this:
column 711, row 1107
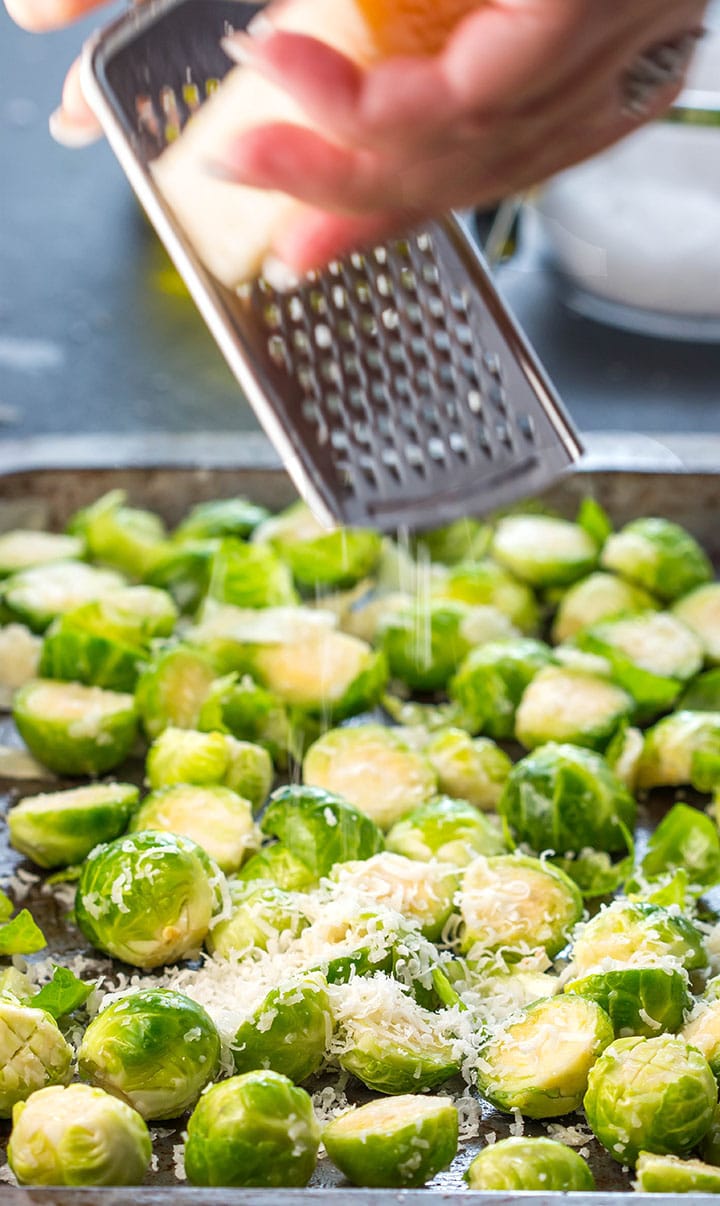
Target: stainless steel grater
column 395, row 385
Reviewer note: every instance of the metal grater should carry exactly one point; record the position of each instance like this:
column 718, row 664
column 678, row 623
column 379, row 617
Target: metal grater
column 395, row 385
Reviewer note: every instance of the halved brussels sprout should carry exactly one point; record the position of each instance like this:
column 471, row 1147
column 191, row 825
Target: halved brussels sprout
column 221, row 517
column 425, row 642
column 490, row 985
column 392, row 1044
column 249, row 575
column 73, row 729
column 651, row 654
column 33, row 1054
column 397, row 1142
column 703, row 1033
column 635, row 934
column 145, row 898
column 19, row 660
column 216, row 818
column 277, row 865
column 685, row 839
column 205, row 759
column 23, row 549
column 78, row 1136
column 462, row 540
column 373, row 768
column 682, row 748
column 598, row 597
column 183, row 571
column 517, row 904
column 703, row 694
column 423, row 892
column 544, row 551
column 472, row 769
column 320, row 559
column 650, row 1094
column 289, row 1032
column 261, row 916
column 542, row 1165
column 490, row 683
column 331, row 674
column 171, row 691
column 253, row 1130
column 155, row 1049
column 451, row 831
column 658, row 555
column 36, row 596
column 638, row 1000
column 484, row 583
column 700, row 610
column 564, row 798
column 538, row 1062
column 73, row 652
column 671, row 1175
column 562, row 704
column 249, row 712
column 60, row 828
column 122, row 537
column 138, row 613
column 320, row 828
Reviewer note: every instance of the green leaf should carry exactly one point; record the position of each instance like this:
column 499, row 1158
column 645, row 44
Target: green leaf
column 62, row 995
column 6, row 907
column 68, row 875
column 21, row 936
column 594, row 520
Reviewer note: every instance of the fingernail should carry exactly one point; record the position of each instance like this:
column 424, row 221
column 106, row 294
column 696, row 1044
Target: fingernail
column 71, row 133
column 260, row 28
column 279, row 275
column 238, row 47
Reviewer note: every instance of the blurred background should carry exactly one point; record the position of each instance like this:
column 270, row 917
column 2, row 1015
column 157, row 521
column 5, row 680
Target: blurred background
column 97, row 336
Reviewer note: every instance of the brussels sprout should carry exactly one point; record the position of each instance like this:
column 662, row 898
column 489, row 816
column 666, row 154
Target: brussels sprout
column 251, row 713
column 36, row 596
column 682, row 748
column 542, row 1165
column 513, row 903
column 249, row 575
column 171, row 691
column 650, row 1094
column 145, row 898
column 669, row 1174
column 544, row 551
column 155, row 1049
column 141, row 613
column 703, row 694
column 320, row 828
column 468, row 769
column 397, row 1142
column 73, row 729
column 261, row 916
column 598, row 597
column 700, row 610
column 491, row 681
column 570, row 705
column 183, row 572
column 564, row 798
column 78, row 1136
column 658, row 555
column 221, row 517
column 392, row 1044
column 709, row 1147
column 623, row 755
column 687, row 839
column 423, row 892
column 122, row 537
column 231, row 636
column 374, row 769
column 638, row 1000
column 320, row 559
column 463, row 540
column 651, row 654
column 60, row 828
column 19, row 659
column 215, row 817
column 33, row 1054
column 253, row 1130
column 185, row 756
column 703, row 1033
column 451, row 831
column 538, row 1062
column 73, row 652
column 484, row 583
column 278, row 865
column 288, row 1032
column 634, row 933
column 425, row 642
column 21, row 550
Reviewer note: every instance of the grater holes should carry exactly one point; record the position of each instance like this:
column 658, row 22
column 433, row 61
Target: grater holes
column 491, row 361
column 191, row 95
column 441, row 342
column 504, row 435
column 496, row 395
column 330, row 372
column 317, row 302
column 346, row 331
column 351, row 364
column 436, row 449
column 356, row 397
column 414, row 314
column 334, row 403
column 391, row 461
column 368, row 326
column 272, row 316
column 301, row 343
column 323, row 335
column 306, row 379
column 459, row 301
column 402, row 386
column 278, row 350
column 526, row 426
column 295, row 309
column 431, row 275
column 378, row 393
column 474, row 401
column 362, row 292
column 380, row 255
column 362, row 433
column 339, row 441
column 390, row 319
column 408, row 280
column 464, row 336
column 436, row 306
column 446, row 374
column 171, row 111
column 146, row 117
column 458, row 444
column 415, row 458
column 418, row 347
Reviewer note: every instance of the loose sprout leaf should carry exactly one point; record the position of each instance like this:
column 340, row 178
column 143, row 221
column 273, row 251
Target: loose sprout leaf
column 594, row 520
column 6, row 907
column 21, row 936
column 64, row 994
column 686, row 839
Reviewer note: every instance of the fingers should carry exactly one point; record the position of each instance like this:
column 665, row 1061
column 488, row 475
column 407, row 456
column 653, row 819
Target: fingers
column 41, row 15
column 314, row 238
column 73, row 124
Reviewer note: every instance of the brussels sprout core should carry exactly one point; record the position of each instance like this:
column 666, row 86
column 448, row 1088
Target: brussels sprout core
column 398, row 1142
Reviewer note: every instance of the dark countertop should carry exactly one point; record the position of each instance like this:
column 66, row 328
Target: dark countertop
column 97, row 336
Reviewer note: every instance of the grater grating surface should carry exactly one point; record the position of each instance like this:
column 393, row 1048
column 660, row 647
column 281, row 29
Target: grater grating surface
column 395, row 385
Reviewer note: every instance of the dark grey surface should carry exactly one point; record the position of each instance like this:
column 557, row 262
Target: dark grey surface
column 96, row 336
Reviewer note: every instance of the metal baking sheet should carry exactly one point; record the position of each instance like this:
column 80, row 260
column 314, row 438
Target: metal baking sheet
column 47, row 497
